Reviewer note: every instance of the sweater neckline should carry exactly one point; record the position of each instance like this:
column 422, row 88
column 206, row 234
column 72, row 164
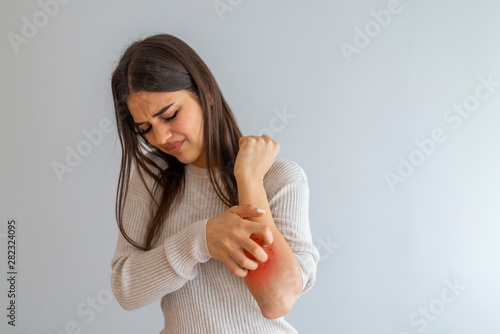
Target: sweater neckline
column 197, row 171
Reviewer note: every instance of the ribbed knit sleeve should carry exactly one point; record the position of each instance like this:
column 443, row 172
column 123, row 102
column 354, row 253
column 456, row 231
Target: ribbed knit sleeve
column 289, row 204
column 139, row 277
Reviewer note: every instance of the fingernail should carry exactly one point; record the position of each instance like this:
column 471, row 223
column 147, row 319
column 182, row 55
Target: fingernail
column 260, row 211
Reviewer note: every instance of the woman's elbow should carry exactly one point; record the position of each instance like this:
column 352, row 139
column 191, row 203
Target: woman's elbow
column 279, row 309
column 121, row 294
column 276, row 312
column 123, row 301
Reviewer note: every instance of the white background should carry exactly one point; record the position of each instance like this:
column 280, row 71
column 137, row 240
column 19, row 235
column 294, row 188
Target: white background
column 387, row 253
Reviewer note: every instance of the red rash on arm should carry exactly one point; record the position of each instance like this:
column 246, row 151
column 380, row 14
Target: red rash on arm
column 266, row 269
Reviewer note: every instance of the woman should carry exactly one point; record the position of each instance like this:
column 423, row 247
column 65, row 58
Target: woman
column 212, row 223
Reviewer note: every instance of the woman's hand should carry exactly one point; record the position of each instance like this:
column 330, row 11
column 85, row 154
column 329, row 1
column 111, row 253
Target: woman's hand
column 228, row 235
column 255, row 157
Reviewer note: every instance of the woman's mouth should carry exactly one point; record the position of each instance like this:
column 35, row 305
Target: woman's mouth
column 175, row 147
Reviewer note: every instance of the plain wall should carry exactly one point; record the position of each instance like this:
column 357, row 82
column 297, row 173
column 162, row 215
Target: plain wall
column 391, row 117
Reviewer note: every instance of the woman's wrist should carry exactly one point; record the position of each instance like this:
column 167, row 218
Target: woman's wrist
column 248, row 180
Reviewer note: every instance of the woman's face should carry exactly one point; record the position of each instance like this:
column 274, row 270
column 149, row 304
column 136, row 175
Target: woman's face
column 172, row 122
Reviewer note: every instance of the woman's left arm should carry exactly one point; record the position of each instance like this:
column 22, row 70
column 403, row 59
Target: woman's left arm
column 276, row 283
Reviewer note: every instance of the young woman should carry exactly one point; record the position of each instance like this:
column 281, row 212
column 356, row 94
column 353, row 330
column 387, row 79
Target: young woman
column 213, row 223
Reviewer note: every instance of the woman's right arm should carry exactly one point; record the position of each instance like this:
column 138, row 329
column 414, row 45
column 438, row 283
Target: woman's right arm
column 139, row 278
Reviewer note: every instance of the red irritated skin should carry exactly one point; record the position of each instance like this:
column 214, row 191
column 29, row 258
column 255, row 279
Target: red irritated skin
column 265, row 269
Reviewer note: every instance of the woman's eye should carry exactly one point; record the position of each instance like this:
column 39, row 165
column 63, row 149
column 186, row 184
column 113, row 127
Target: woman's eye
column 144, row 132
column 172, row 117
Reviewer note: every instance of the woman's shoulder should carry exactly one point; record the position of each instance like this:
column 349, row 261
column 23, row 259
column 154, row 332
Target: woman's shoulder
column 284, row 171
column 140, row 187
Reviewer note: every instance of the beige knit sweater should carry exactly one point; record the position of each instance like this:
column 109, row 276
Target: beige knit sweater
column 198, row 293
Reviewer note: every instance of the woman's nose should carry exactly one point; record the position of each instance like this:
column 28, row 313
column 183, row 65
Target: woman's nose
column 161, row 134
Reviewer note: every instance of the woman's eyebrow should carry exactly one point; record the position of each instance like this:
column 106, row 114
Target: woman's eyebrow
column 158, row 113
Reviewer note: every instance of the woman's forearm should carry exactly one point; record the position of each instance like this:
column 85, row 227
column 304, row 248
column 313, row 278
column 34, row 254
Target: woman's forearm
column 276, row 283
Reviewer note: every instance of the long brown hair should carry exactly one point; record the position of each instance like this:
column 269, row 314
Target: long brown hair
column 164, row 63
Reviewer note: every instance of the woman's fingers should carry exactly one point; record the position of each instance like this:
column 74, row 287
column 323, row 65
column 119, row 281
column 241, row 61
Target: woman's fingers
column 260, row 236
column 238, row 242
column 263, row 233
column 244, row 262
column 255, row 251
column 235, row 268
